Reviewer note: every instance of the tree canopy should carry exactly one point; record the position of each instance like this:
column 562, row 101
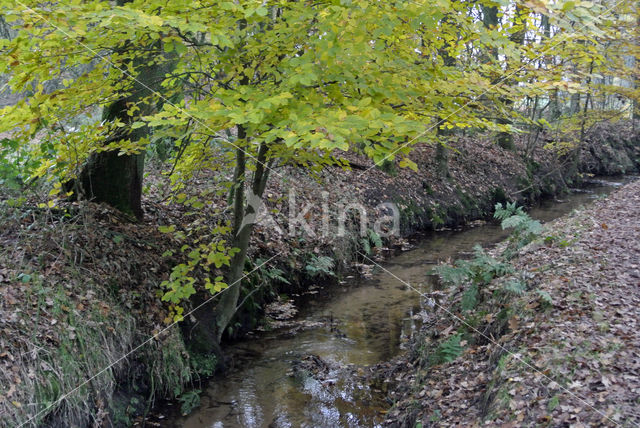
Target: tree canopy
column 248, row 86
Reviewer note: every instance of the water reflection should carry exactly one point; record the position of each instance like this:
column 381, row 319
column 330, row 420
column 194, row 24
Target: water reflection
column 360, row 323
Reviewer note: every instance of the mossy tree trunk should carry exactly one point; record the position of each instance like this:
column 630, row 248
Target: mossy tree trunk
column 117, row 179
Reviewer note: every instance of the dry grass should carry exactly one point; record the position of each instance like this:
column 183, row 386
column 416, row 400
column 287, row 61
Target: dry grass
column 77, row 296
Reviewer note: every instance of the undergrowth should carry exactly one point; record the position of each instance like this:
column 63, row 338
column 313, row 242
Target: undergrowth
column 66, row 328
column 483, row 289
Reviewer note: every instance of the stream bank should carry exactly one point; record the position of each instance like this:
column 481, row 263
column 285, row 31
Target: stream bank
column 560, row 349
column 81, row 285
column 480, row 174
column 313, row 370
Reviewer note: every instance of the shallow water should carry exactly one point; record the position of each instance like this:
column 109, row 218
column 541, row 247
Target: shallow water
column 360, row 322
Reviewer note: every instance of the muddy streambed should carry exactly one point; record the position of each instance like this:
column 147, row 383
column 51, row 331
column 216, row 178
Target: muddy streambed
column 303, row 375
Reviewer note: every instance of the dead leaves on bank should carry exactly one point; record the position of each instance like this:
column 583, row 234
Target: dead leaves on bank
column 63, row 277
column 572, row 362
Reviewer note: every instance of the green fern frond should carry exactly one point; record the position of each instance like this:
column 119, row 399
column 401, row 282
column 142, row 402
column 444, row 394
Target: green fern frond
column 515, row 287
column 447, row 351
column 469, row 298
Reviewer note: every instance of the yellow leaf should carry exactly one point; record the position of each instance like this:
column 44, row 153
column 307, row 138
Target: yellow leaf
column 408, row 163
column 153, row 20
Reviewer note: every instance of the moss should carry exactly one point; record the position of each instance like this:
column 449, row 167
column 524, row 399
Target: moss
column 470, row 204
column 498, row 195
column 412, row 216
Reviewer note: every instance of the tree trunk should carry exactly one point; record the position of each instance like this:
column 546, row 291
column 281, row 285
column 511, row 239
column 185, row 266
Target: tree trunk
column 554, row 105
column 117, row 179
column 491, row 20
column 574, row 105
column 505, row 139
column 442, row 153
column 635, row 113
column 242, row 229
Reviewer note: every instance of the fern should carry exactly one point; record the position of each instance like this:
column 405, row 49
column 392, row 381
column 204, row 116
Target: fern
column 277, row 275
column 485, row 267
column 271, row 275
column 452, row 275
column 480, row 270
column 525, row 229
column 447, row 351
column 371, row 240
column 366, row 246
column 515, row 287
column 514, row 222
column 320, row 266
column 469, row 298
column 375, row 239
column 502, row 213
column 545, row 297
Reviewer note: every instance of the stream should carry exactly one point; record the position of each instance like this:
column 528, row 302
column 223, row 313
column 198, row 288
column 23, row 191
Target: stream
column 302, row 376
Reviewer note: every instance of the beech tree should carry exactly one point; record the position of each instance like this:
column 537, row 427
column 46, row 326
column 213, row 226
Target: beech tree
column 109, row 176
column 265, row 84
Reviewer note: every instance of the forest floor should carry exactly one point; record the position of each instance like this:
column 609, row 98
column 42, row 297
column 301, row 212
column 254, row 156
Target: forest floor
column 565, row 352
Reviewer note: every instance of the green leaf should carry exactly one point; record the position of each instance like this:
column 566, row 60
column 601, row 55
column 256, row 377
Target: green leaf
column 167, row 229
column 447, row 351
column 408, row 163
column 218, row 259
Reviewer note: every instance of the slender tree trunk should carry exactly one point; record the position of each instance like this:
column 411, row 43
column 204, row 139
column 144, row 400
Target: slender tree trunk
column 554, row 106
column 574, row 105
column 505, row 139
column 636, row 107
column 443, row 134
column 243, row 225
column 491, row 20
column 575, row 154
column 635, row 114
